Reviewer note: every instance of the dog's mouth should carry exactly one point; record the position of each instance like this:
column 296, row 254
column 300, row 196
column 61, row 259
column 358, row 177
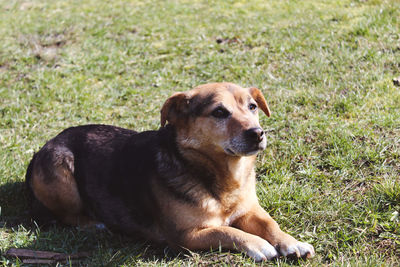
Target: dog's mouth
column 240, row 149
column 230, row 152
column 243, row 153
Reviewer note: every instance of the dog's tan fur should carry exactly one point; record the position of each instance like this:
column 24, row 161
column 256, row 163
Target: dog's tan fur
column 230, row 216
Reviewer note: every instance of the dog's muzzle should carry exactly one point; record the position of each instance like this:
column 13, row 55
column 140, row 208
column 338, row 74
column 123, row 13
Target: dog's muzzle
column 249, row 143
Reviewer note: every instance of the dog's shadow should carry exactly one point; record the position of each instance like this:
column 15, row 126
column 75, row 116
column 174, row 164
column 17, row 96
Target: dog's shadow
column 20, row 231
column 13, row 205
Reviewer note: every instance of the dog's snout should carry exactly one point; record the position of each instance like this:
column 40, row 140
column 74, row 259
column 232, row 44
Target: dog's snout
column 255, row 135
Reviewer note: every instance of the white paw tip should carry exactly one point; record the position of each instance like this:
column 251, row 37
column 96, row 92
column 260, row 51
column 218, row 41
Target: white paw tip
column 300, row 249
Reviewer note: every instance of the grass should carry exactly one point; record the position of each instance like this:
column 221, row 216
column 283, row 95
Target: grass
column 330, row 173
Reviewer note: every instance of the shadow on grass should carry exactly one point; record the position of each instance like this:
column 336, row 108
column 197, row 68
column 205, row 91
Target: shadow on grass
column 14, row 205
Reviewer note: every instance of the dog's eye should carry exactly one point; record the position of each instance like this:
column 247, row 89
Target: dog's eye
column 252, row 106
column 220, row 113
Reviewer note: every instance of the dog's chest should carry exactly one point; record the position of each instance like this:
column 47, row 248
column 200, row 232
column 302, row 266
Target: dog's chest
column 223, row 212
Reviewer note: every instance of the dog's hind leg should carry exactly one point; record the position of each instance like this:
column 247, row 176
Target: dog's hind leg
column 50, row 178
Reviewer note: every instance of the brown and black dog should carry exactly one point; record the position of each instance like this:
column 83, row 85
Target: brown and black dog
column 191, row 184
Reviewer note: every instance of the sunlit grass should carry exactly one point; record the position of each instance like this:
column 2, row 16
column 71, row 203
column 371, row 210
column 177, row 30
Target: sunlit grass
column 330, row 173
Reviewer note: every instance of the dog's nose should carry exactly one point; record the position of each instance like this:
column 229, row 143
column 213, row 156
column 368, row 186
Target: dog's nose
column 255, row 135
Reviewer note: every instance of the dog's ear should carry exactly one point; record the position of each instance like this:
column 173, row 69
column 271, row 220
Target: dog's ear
column 259, row 98
column 176, row 106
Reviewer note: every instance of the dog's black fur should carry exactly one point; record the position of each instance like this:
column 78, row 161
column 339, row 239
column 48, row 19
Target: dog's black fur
column 114, row 169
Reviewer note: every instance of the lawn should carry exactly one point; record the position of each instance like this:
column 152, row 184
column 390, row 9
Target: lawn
column 330, row 174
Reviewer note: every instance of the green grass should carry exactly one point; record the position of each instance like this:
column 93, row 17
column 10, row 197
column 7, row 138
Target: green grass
column 331, row 172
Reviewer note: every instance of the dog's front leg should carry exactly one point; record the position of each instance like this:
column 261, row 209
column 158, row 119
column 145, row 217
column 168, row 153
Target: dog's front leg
column 229, row 238
column 259, row 222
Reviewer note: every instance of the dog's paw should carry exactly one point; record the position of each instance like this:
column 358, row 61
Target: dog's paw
column 261, row 250
column 297, row 249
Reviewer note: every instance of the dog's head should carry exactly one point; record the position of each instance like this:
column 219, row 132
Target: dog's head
column 218, row 117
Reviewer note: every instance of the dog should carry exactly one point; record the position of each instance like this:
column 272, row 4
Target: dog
column 190, row 184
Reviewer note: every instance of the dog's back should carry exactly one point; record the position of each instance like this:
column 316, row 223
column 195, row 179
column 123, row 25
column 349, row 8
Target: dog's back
column 97, row 173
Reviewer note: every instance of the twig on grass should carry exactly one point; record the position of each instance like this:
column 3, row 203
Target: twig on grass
column 29, row 256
